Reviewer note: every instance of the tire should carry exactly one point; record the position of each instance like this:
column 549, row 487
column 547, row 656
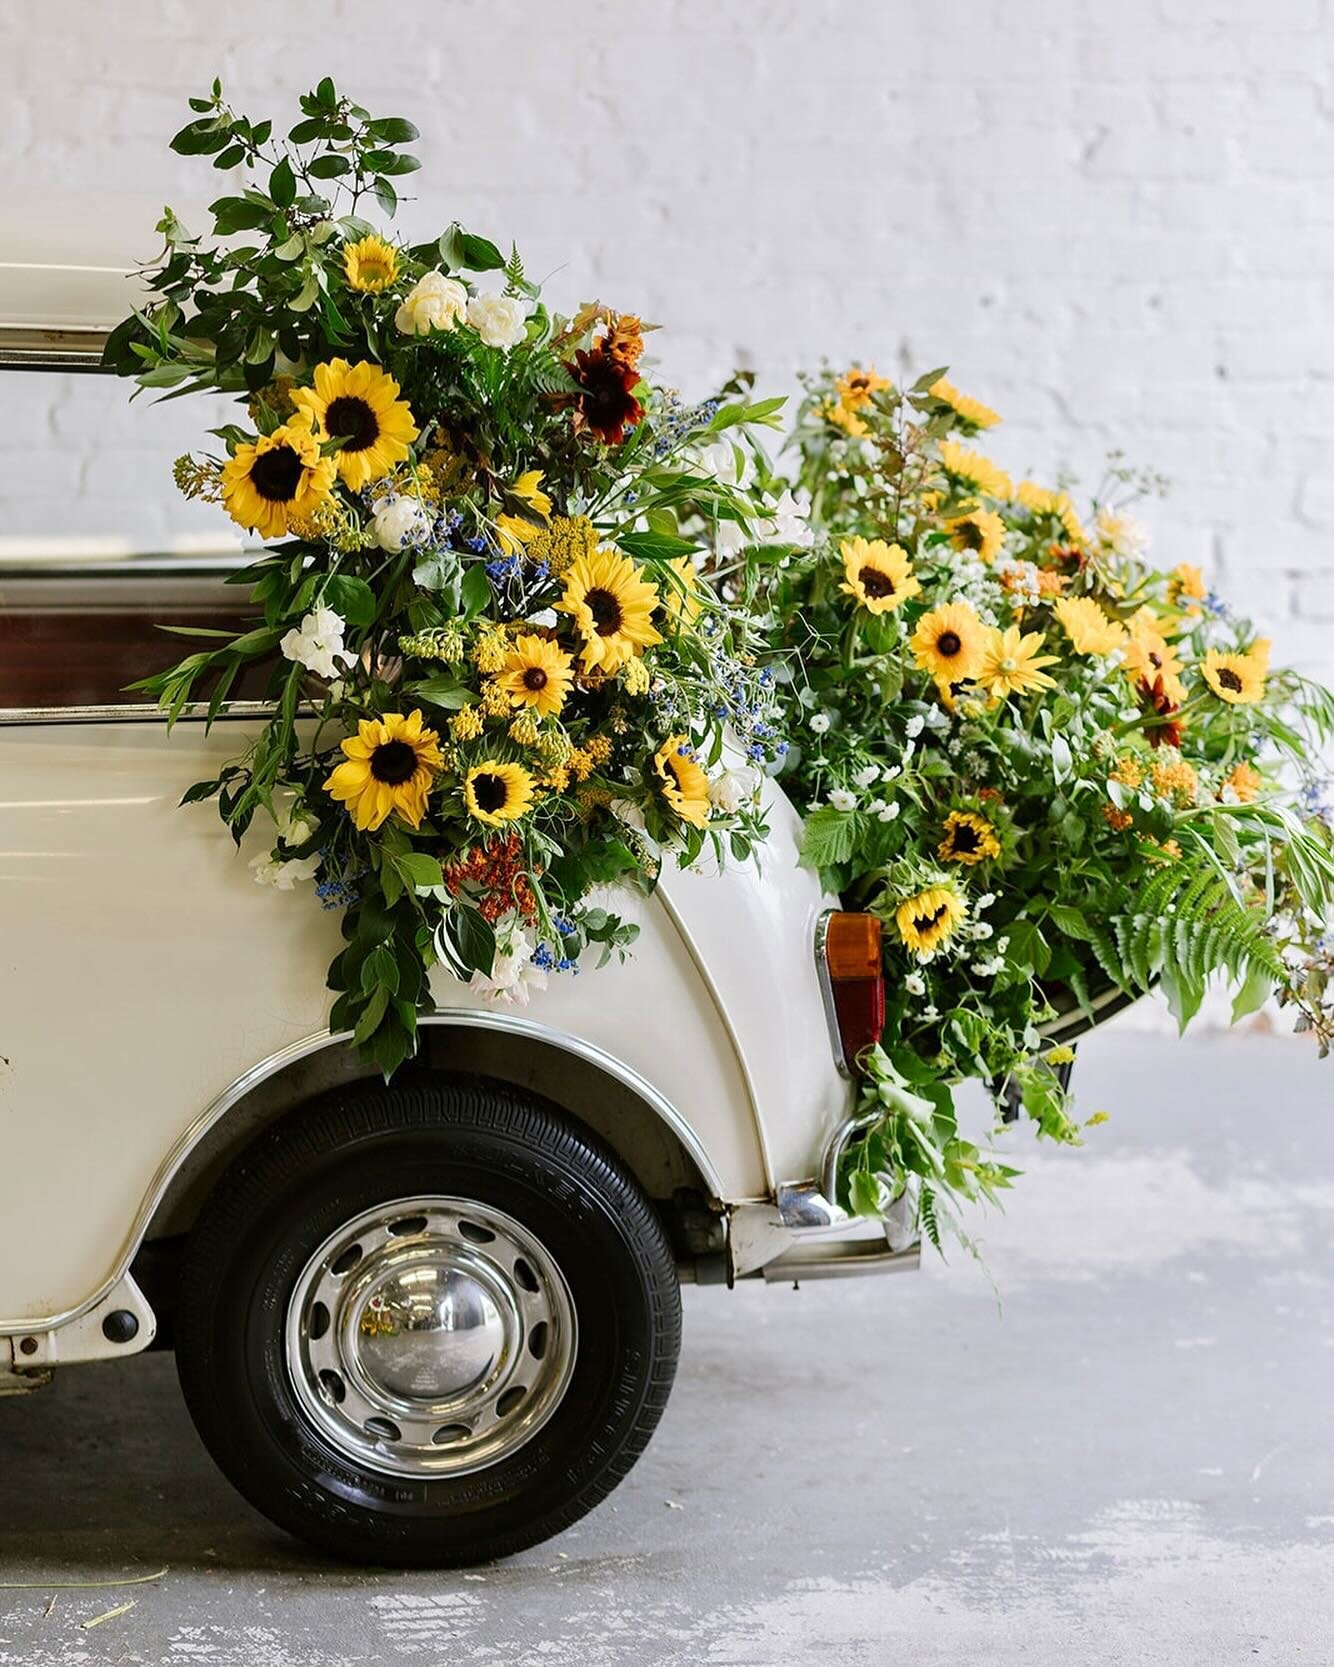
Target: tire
column 426, row 1319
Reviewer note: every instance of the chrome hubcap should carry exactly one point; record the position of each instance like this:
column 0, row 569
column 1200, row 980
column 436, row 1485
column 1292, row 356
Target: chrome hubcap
column 430, row 1337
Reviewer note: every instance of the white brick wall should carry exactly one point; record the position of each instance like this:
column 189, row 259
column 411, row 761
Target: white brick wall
column 1115, row 222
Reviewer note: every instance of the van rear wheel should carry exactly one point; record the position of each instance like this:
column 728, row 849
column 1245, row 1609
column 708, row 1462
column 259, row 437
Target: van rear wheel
column 430, row 1324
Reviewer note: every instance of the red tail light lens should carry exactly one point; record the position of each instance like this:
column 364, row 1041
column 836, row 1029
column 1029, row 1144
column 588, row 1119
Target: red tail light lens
column 855, row 981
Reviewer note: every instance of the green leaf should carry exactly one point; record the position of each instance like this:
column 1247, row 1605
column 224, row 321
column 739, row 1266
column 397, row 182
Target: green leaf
column 656, row 546
column 829, row 837
column 1070, row 921
column 304, row 132
column 330, row 166
column 392, row 130
column 371, row 1014
column 419, row 869
column 353, row 598
column 475, row 592
column 443, row 691
column 282, row 184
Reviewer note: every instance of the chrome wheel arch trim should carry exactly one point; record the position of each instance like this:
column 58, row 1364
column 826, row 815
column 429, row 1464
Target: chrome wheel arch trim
column 463, row 1018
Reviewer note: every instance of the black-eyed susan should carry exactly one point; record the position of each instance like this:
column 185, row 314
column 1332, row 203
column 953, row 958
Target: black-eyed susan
column 970, row 413
column 684, row 785
column 611, row 604
column 1089, row 628
column 1042, row 501
column 927, row 919
column 968, row 839
column 389, row 765
column 537, row 673
column 878, row 575
column 973, row 472
column 1011, row 663
column 359, row 405
column 371, row 264
column 982, row 532
column 1186, row 588
column 496, row 791
column 681, row 601
column 949, row 642
column 279, row 478
column 1148, row 655
column 856, row 387
column 1239, row 679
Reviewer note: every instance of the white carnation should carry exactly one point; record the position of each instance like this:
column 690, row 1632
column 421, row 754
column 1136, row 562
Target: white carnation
column 434, row 302
column 500, row 320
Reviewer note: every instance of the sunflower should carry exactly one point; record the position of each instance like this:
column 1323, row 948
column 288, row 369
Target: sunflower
column 1040, row 500
column 1089, row 629
column 968, row 839
column 971, row 469
column 1239, row 679
column 611, row 605
column 684, row 785
column 879, row 575
column 681, row 597
column 1186, row 587
column 359, row 405
column 371, row 264
column 972, row 414
column 276, row 479
column 982, row 531
column 1010, row 663
column 537, row 673
column 856, row 387
column 949, row 643
column 389, row 766
column 842, row 416
column 1148, row 655
column 928, row 919
column 497, row 792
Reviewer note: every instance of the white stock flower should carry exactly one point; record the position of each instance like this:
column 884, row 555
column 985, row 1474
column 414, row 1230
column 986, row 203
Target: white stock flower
column 318, row 643
column 820, row 723
column 842, row 799
column 399, row 523
column 434, row 302
column 787, row 524
column 733, row 788
column 295, row 827
column 500, row 320
column 730, row 538
column 513, row 976
column 282, row 876
column 720, row 460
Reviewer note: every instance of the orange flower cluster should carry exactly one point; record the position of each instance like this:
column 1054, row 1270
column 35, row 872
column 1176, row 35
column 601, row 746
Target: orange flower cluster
column 494, row 874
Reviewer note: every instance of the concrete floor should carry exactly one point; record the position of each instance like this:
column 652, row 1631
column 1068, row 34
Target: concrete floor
column 1132, row 1463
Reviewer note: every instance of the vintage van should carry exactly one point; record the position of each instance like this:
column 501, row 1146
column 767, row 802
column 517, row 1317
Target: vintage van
column 432, row 1322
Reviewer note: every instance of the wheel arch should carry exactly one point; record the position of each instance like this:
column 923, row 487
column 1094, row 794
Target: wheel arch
column 649, row 1134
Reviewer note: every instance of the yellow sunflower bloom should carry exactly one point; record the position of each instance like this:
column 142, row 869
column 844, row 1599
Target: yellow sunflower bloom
column 841, row 416
column 684, row 785
column 1089, row 629
column 982, row 532
column 1040, row 500
column 879, row 575
column 390, row 764
column 856, row 387
column 968, row 839
column 949, row 643
column 1011, row 664
column 972, row 414
column 515, row 532
column 497, row 792
column 359, row 405
column 1186, row 587
column 537, row 673
column 680, row 594
column 277, row 479
column 371, row 264
column 612, row 606
column 970, row 469
column 928, row 919
column 1239, row 679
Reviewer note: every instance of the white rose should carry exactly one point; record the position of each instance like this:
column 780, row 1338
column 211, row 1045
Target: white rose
column 434, row 302
column 733, row 788
column 500, row 320
column 318, row 643
column 399, row 523
column 841, row 799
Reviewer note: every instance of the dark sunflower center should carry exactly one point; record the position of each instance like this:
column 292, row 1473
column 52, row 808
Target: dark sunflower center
column 948, row 643
column 606, row 611
column 393, row 763
column 351, row 420
column 276, row 474
column 876, row 583
column 490, row 792
column 965, row 838
column 970, row 535
column 534, row 678
column 1229, row 679
column 923, row 924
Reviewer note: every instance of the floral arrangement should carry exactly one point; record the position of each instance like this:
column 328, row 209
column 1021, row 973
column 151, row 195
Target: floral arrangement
column 498, row 684
column 1058, row 774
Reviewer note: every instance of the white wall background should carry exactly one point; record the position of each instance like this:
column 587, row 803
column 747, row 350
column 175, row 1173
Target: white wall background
column 1116, row 222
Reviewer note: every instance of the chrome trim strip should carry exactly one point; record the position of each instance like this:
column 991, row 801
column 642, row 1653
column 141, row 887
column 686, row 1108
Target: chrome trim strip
column 462, row 1017
column 15, row 715
column 827, row 992
column 836, row 1145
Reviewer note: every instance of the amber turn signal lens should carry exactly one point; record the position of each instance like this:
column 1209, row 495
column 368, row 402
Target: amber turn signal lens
column 852, row 946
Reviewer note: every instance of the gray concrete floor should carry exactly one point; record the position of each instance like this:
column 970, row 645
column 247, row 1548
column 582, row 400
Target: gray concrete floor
column 1130, row 1462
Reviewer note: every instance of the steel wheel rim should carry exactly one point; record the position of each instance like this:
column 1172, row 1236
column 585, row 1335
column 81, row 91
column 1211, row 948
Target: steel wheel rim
column 430, row 1337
